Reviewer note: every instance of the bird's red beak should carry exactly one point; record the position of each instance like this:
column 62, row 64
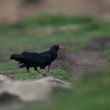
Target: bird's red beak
column 61, row 47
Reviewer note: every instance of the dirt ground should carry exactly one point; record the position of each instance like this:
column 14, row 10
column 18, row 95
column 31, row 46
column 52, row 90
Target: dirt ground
column 89, row 59
column 15, row 10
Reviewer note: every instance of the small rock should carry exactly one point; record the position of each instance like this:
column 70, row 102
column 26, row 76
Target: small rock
column 32, row 90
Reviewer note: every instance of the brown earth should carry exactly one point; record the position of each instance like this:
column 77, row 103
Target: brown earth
column 91, row 58
column 14, row 10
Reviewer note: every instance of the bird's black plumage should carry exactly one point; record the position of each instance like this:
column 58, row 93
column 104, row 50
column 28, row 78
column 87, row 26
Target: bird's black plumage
column 32, row 59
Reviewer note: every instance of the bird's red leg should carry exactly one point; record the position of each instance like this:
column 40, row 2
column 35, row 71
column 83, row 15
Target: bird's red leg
column 48, row 68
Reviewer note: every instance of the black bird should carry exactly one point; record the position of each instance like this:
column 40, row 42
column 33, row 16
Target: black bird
column 35, row 60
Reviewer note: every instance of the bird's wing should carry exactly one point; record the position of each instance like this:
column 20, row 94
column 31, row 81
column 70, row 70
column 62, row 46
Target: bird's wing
column 31, row 58
column 29, row 53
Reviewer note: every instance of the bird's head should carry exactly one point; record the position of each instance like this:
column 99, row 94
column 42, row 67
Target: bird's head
column 56, row 47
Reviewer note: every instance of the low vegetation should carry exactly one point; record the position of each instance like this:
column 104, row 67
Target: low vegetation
column 37, row 34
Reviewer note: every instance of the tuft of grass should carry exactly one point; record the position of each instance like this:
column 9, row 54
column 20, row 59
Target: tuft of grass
column 49, row 20
column 61, row 74
column 56, row 20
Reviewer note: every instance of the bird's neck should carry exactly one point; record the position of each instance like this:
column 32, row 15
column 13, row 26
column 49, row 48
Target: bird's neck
column 53, row 52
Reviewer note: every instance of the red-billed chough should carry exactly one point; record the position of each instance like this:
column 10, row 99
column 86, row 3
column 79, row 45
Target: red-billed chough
column 35, row 60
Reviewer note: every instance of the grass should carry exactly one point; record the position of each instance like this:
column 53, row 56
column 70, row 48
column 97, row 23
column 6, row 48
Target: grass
column 92, row 91
column 54, row 20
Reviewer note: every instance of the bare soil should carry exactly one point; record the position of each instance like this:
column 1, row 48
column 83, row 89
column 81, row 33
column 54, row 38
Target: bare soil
column 91, row 58
column 15, row 10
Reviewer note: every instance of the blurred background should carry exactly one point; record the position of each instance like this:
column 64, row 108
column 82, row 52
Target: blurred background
column 14, row 10
column 82, row 26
